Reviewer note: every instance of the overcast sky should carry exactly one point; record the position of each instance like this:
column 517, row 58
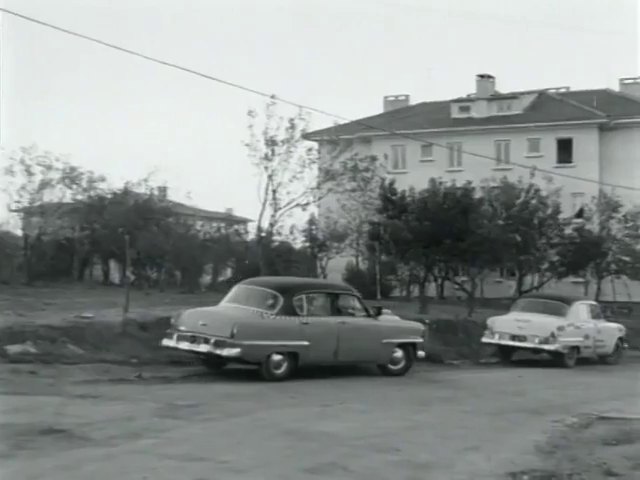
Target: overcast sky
column 124, row 116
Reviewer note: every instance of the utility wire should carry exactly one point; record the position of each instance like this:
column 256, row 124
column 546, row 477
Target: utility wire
column 305, row 107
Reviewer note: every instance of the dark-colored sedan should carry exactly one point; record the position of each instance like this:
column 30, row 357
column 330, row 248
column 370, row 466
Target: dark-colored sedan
column 280, row 323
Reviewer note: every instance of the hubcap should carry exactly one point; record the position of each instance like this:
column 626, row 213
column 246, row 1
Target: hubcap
column 398, row 358
column 278, row 363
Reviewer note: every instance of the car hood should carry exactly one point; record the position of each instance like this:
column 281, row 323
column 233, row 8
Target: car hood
column 524, row 322
column 217, row 321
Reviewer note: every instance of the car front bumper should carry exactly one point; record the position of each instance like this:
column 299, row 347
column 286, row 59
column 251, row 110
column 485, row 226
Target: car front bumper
column 202, row 348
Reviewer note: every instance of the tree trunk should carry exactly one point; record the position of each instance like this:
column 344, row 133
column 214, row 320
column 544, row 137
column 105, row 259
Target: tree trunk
column 423, row 299
column 440, row 284
column 106, row 270
column 520, row 277
column 26, row 257
column 599, row 281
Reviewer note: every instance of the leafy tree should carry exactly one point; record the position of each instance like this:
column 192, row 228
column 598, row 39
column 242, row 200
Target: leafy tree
column 527, row 229
column 288, row 168
column 323, row 243
column 353, row 198
column 605, row 244
column 40, row 186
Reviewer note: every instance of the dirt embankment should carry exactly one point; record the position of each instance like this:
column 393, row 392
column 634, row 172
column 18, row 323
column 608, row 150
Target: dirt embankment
column 137, row 340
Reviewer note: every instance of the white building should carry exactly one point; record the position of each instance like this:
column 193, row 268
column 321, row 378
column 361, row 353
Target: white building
column 582, row 134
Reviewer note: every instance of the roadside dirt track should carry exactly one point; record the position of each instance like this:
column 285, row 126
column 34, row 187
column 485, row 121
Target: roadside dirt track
column 105, row 422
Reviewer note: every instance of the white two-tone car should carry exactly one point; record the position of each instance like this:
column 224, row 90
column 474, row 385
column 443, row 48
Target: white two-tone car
column 567, row 328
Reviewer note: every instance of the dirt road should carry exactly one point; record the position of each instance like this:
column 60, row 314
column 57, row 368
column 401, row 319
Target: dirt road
column 439, row 422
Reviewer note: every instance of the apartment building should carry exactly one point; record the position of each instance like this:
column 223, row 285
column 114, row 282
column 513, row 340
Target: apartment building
column 568, row 135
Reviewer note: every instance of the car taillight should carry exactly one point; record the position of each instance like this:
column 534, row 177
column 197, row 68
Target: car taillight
column 551, row 339
column 234, row 332
column 174, row 318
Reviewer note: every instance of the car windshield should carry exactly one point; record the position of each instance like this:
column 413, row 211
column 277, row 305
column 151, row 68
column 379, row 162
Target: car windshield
column 253, row 297
column 538, row 305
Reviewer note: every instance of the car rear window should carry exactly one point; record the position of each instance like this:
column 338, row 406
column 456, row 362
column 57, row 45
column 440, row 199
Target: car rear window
column 253, row 297
column 538, row 305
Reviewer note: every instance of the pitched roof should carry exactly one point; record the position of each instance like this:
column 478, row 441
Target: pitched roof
column 66, row 208
column 547, row 107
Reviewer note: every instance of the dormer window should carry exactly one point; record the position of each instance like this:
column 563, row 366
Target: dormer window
column 505, row 106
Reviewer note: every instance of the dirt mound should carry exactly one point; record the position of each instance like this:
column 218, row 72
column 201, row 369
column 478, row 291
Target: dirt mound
column 136, row 340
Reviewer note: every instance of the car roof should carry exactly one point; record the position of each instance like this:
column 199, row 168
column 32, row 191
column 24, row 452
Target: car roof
column 566, row 299
column 294, row 285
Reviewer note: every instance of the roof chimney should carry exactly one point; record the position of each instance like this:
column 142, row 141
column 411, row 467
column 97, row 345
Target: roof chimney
column 163, row 192
column 391, row 102
column 228, row 211
column 485, row 85
column 630, row 86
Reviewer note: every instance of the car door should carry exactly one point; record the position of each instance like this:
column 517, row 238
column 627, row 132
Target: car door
column 318, row 326
column 604, row 337
column 359, row 334
column 585, row 328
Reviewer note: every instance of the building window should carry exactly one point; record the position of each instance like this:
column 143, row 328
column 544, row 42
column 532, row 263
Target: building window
column 455, row 154
column 503, row 152
column 564, row 151
column 464, row 109
column 398, row 157
column 577, row 201
column 534, row 146
column 426, row 152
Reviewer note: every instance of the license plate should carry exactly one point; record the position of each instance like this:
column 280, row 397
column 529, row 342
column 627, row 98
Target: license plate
column 518, row 338
column 192, row 339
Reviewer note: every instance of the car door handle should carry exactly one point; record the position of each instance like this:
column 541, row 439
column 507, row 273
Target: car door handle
column 304, row 321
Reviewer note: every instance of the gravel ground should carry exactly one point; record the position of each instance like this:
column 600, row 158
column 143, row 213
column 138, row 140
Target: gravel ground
column 442, row 422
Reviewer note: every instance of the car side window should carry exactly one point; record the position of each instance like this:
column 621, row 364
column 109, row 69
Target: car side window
column 583, row 312
column 596, row 312
column 312, row 305
column 350, row 306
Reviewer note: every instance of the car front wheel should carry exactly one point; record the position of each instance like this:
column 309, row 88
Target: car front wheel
column 277, row 366
column 214, row 364
column 401, row 361
column 506, row 354
column 615, row 356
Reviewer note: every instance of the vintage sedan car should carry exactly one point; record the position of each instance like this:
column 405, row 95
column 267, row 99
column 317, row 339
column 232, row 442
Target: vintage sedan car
column 280, row 323
column 564, row 327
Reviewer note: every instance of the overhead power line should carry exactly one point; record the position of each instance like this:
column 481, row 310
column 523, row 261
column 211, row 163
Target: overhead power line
column 302, row 106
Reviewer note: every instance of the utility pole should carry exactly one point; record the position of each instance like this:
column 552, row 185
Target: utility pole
column 375, row 234
column 127, row 283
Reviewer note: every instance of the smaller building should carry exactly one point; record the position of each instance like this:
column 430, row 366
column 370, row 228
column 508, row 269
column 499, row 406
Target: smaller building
column 61, row 219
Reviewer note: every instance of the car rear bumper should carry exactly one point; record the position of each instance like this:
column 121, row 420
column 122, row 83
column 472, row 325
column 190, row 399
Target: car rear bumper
column 525, row 345
column 201, row 348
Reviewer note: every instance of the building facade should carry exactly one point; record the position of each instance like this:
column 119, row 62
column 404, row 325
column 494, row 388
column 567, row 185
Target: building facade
column 583, row 140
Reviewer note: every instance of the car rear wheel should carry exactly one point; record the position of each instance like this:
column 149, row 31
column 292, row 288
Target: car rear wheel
column 567, row 359
column 401, row 361
column 505, row 354
column 277, row 366
column 614, row 357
